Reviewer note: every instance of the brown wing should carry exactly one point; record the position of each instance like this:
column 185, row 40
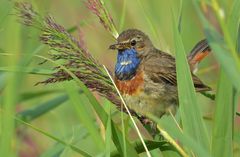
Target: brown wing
column 160, row 67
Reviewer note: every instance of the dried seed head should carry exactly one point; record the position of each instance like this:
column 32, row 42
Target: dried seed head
column 97, row 7
column 25, row 12
column 72, row 52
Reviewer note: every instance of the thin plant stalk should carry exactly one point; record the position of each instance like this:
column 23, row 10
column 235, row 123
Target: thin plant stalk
column 129, row 113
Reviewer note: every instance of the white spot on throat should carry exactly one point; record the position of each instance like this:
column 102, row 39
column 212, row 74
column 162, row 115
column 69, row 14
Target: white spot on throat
column 126, row 62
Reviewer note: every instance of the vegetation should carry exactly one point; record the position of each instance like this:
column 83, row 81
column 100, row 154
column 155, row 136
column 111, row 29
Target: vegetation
column 57, row 97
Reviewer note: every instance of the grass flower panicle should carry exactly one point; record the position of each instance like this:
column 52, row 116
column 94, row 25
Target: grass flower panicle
column 72, row 53
column 26, row 13
column 97, row 7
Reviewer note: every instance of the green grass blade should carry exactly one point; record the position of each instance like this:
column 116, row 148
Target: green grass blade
column 123, row 15
column 108, row 134
column 234, row 19
column 73, row 147
column 54, row 151
column 225, row 30
column 119, row 143
column 235, row 99
column 238, row 40
column 5, row 8
column 28, row 70
column 224, row 58
column 223, row 51
column 39, row 110
column 124, row 130
column 162, row 145
column 148, row 19
column 234, row 26
column 58, row 148
column 223, row 119
column 189, row 110
column 7, row 123
column 9, row 95
column 79, row 102
column 25, row 96
column 3, row 77
column 180, row 18
column 184, row 138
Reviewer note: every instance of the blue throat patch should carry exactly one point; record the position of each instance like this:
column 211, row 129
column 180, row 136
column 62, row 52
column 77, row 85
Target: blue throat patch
column 127, row 64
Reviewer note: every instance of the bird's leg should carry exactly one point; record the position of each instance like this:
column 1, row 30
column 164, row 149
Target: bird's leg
column 149, row 125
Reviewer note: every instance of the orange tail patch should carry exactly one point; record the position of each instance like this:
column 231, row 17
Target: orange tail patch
column 198, row 53
column 198, row 57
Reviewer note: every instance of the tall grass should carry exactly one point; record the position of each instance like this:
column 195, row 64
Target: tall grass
column 78, row 111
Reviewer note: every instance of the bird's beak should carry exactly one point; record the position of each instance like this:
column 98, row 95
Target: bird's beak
column 114, row 46
column 119, row 46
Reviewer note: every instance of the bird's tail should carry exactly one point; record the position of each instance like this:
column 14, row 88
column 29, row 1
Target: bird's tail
column 200, row 51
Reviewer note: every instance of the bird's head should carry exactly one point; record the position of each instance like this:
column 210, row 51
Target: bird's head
column 132, row 39
column 132, row 46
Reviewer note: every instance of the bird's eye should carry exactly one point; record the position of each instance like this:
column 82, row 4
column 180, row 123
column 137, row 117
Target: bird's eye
column 133, row 42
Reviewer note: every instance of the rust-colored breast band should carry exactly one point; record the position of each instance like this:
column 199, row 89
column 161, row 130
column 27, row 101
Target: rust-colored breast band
column 132, row 86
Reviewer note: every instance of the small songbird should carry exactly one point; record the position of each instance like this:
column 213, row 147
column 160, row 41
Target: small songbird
column 146, row 76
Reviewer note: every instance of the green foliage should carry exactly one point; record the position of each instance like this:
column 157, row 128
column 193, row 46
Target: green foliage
column 59, row 117
column 34, row 112
column 222, row 144
column 192, row 122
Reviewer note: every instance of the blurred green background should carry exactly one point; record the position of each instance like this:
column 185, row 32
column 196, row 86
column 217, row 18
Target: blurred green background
column 18, row 43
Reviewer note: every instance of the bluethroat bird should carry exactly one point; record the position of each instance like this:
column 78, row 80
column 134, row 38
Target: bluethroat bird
column 146, row 76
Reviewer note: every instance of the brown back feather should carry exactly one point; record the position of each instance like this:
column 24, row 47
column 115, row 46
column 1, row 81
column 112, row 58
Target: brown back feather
column 160, row 67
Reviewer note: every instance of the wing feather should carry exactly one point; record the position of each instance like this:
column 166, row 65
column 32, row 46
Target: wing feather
column 160, row 67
